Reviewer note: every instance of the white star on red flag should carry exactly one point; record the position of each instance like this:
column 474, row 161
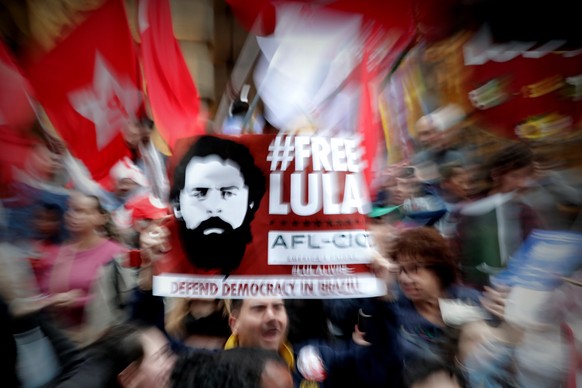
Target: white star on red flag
column 109, row 102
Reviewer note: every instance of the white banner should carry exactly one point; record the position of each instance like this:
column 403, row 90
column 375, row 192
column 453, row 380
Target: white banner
column 306, row 286
column 311, row 247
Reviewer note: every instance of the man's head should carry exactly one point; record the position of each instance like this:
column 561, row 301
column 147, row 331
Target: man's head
column 426, row 132
column 261, row 323
column 511, row 169
column 137, row 356
column 239, row 367
column 216, row 192
column 137, row 131
column 431, row 129
column 454, row 181
column 126, row 178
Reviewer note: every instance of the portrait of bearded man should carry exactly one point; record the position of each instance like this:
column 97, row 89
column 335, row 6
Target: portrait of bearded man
column 216, row 191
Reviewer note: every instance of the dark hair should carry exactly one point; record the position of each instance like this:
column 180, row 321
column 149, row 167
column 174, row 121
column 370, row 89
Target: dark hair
column 109, row 228
column 227, row 150
column 510, row 158
column 59, row 212
column 195, row 369
column 117, row 348
column 427, row 248
column 244, row 366
column 238, row 367
column 146, row 122
column 450, row 170
column 235, row 305
column 307, row 320
column 419, row 370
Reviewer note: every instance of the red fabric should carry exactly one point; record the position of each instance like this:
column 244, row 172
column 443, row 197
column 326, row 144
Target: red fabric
column 71, row 72
column 15, row 108
column 142, row 209
column 519, row 73
column 574, row 363
column 15, row 149
column 377, row 58
column 16, row 116
column 171, row 91
column 369, row 131
column 257, row 16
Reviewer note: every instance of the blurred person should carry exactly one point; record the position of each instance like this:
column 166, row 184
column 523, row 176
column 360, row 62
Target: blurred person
column 127, row 181
column 264, row 323
column 427, row 374
column 419, row 273
column 125, row 356
column 547, row 354
column 37, row 181
column 84, row 271
column 137, row 214
column 427, row 277
column 307, row 321
column 432, row 137
column 260, row 323
column 199, row 323
column 410, row 201
column 553, row 194
column 43, row 166
column 492, row 227
column 426, row 272
column 135, row 132
column 420, row 204
column 454, row 190
column 454, row 183
column 36, row 353
column 240, row 368
column 50, row 233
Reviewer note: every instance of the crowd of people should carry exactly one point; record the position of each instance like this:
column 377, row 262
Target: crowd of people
column 77, row 307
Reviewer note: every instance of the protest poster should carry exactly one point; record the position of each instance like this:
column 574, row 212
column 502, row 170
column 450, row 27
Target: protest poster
column 536, row 269
column 276, row 216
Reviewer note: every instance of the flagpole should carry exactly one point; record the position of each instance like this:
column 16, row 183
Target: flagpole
column 242, row 68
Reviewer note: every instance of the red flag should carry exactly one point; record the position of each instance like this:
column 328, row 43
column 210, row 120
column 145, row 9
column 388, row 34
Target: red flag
column 88, row 85
column 16, row 117
column 15, row 108
column 171, row 91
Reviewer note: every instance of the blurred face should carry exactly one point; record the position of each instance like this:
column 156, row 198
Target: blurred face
column 404, row 189
column 260, row 323
column 426, row 133
column 440, row 379
column 417, row 282
column 124, row 186
column 213, row 188
column 83, row 214
column 43, row 163
column 515, row 180
column 48, row 222
column 134, row 134
column 156, row 366
column 200, row 308
column 276, row 375
column 458, row 184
